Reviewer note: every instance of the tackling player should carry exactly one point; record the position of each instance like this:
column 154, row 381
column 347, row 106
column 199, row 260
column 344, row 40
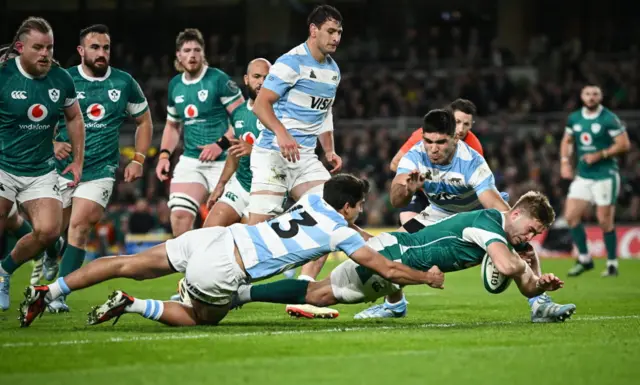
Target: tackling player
column 217, row 260
column 598, row 137
column 200, row 100
column 107, row 96
column 37, row 90
column 456, row 243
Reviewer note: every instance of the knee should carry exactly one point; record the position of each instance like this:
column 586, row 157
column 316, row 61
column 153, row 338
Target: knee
column 47, row 233
column 572, row 218
column 322, row 298
column 80, row 227
column 606, row 223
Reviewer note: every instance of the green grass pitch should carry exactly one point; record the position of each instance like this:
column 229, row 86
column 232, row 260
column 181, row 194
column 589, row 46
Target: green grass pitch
column 461, row 335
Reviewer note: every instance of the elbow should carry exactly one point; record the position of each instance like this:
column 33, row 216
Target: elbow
column 510, row 269
column 389, row 272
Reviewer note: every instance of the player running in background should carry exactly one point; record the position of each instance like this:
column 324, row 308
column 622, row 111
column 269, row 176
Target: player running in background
column 229, row 200
column 200, row 100
column 463, row 111
column 598, row 137
column 107, row 96
column 456, row 179
column 295, row 107
column 217, row 260
column 36, row 91
column 456, row 243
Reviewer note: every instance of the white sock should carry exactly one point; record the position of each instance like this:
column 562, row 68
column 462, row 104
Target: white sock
column 244, row 294
column 148, row 308
column 584, row 258
column 304, row 277
column 612, row 262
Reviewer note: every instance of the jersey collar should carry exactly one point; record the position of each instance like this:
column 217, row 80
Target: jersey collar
column 91, row 78
column 194, row 81
column 22, row 70
column 587, row 115
column 250, row 104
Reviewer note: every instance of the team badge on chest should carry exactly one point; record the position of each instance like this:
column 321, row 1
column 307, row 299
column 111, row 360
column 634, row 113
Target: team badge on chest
column 202, row 95
column 114, row 95
column 54, row 95
column 596, row 127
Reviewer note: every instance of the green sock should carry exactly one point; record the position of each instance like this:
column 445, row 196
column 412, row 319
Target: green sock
column 23, row 230
column 71, row 260
column 9, row 265
column 611, row 244
column 579, row 238
column 287, row 291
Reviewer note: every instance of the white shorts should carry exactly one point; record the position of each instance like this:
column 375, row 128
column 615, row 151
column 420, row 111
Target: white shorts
column 348, row 287
column 25, row 188
column 236, row 197
column 98, row 191
column 206, row 257
column 190, row 170
column 430, row 216
column 272, row 172
column 602, row 192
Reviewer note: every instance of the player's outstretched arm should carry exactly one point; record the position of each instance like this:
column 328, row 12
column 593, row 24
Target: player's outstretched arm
column 491, row 199
column 397, row 272
column 530, row 285
column 144, row 134
column 230, row 167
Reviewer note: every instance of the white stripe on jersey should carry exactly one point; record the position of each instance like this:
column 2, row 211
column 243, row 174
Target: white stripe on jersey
column 300, row 99
column 381, row 241
column 227, row 99
column 480, row 237
column 68, row 102
column 274, row 244
column 245, row 246
column 319, row 74
column 285, row 73
column 340, row 235
column 480, row 174
column 136, row 108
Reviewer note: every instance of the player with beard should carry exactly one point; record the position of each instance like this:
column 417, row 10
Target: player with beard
column 36, row 92
column 107, row 96
column 598, row 137
column 200, row 100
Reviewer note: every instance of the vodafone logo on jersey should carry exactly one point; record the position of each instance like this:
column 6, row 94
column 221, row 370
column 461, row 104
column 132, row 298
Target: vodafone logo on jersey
column 37, row 112
column 249, row 137
column 95, row 112
column 191, row 111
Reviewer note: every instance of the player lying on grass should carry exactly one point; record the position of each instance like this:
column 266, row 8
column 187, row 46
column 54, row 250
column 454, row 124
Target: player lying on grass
column 455, row 243
column 217, row 260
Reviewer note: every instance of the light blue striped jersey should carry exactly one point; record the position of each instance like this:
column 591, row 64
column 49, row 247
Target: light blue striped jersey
column 307, row 231
column 307, row 90
column 454, row 187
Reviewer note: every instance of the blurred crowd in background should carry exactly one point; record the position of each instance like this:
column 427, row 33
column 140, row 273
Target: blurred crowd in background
column 392, row 74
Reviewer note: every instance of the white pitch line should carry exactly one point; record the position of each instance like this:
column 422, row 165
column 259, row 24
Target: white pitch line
column 169, row 337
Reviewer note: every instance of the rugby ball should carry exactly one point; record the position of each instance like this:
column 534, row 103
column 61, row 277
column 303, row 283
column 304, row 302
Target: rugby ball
column 494, row 281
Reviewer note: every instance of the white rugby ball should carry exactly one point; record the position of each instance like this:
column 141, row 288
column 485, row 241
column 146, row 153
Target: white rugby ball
column 494, row 281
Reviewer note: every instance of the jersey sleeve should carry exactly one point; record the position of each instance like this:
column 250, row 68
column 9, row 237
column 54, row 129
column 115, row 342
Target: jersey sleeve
column 69, row 90
column 482, row 178
column 415, row 137
column 283, row 75
column 137, row 103
column 409, row 162
column 472, row 141
column 172, row 112
column 616, row 127
column 327, row 124
column 568, row 129
column 486, row 229
column 228, row 90
column 346, row 239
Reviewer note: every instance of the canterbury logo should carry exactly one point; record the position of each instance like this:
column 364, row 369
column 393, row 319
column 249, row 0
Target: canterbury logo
column 18, row 94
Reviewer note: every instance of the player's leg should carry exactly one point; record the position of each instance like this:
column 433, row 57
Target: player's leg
column 606, row 195
column 212, row 276
column 5, row 208
column 230, row 207
column 189, row 188
column 268, row 186
column 19, row 227
column 151, row 263
column 578, row 202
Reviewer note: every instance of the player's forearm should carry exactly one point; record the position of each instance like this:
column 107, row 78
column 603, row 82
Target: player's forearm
column 400, row 195
column 230, row 167
column 265, row 114
column 566, row 147
column 528, row 285
column 617, row 148
column 144, row 133
column 170, row 137
column 326, row 141
column 75, row 127
column 404, row 275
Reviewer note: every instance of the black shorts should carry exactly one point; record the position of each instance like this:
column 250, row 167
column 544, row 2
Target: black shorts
column 419, row 202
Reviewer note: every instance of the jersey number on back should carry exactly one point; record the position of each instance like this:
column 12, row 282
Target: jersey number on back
column 294, row 223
